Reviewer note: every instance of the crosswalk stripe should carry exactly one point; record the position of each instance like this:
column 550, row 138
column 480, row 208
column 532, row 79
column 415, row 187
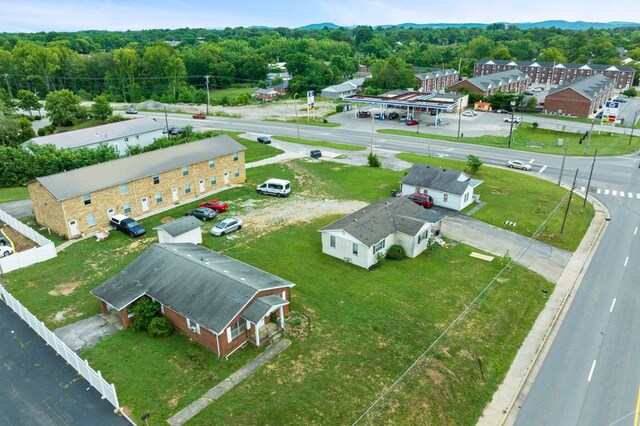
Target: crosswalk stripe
column 606, row 192
column 622, row 193
column 638, row 196
column 583, row 189
column 614, row 192
column 598, row 191
column 630, row 194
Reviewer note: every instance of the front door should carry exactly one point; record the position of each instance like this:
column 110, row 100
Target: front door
column 226, row 178
column 145, row 204
column 110, row 212
column 74, row 230
column 201, row 185
column 174, row 194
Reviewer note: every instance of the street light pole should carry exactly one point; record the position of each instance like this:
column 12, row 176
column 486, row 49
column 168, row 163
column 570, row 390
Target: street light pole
column 513, row 106
column 296, row 111
column 459, row 116
column 586, row 148
column 635, row 117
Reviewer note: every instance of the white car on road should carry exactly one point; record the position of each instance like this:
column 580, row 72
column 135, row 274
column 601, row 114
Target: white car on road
column 469, row 113
column 514, row 119
column 517, row 164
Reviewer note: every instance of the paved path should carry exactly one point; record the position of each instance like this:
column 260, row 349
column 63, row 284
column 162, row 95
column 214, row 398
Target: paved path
column 18, row 209
column 85, row 334
column 227, row 384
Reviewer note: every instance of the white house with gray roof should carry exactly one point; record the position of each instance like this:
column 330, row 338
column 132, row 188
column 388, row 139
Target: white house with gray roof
column 359, row 237
column 342, row 90
column 218, row 301
column 139, row 131
column 186, row 229
column 449, row 188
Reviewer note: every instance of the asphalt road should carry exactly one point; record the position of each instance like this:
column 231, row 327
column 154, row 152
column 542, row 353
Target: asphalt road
column 37, row 387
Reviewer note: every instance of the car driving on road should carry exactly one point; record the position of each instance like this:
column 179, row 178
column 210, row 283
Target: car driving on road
column 517, row 164
column 512, row 119
column 469, row 113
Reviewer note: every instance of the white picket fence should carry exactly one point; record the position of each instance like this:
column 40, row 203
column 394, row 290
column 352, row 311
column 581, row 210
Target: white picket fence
column 46, row 249
column 108, row 390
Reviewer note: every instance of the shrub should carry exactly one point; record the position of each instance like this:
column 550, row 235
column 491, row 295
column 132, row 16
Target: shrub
column 144, row 311
column 396, row 252
column 339, row 108
column 373, row 160
column 160, row 327
column 379, row 259
column 534, row 125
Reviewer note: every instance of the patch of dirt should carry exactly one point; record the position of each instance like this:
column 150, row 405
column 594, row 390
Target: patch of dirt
column 435, row 375
column 167, row 219
column 297, row 325
column 21, row 242
column 65, row 289
column 173, row 402
column 61, row 315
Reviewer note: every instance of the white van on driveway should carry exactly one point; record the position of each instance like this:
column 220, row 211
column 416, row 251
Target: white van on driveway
column 277, row 187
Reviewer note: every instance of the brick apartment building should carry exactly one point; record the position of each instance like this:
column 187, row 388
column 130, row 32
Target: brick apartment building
column 555, row 74
column 437, row 80
column 83, row 200
column 580, row 97
column 505, row 81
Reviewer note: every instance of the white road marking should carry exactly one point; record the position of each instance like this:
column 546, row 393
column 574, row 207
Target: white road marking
column 583, row 189
column 598, row 191
column 626, row 261
column 612, row 305
column 622, row 193
column 636, row 231
column 606, row 192
column 630, row 194
column 638, row 195
column 591, row 372
column 532, row 160
column 542, row 169
column 614, row 192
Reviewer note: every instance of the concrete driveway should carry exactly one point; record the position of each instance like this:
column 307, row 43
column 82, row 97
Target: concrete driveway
column 18, row 209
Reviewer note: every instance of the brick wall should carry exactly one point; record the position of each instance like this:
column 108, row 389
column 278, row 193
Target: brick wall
column 47, row 210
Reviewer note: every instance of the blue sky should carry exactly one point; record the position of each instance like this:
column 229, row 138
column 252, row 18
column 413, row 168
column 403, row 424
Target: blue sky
column 75, row 15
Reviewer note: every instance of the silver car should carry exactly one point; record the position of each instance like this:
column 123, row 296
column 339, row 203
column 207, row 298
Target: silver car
column 517, row 164
column 226, row 226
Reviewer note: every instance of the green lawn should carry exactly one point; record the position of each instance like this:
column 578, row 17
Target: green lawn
column 13, row 194
column 217, row 94
column 303, row 120
column 255, row 151
column 324, row 144
column 526, row 200
column 526, row 138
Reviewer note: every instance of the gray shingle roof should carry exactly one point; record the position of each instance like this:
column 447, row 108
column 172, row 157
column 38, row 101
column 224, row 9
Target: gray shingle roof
column 347, row 86
column 589, row 87
column 202, row 285
column 261, row 306
column 497, row 79
column 544, row 64
column 383, row 218
column 126, row 169
column 436, row 74
column 445, row 180
column 99, row 134
column 180, row 226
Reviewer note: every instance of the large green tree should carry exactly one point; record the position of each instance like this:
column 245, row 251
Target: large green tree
column 391, row 74
column 101, row 108
column 63, row 108
column 28, row 101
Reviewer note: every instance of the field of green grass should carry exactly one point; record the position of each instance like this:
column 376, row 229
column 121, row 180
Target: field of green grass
column 217, row 94
column 526, row 138
column 322, row 144
column 13, row 194
column 312, row 122
column 354, row 331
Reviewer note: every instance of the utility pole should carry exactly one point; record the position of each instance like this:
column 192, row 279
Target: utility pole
column 372, row 122
column 564, row 219
column 459, row 116
column 635, row 117
column 208, row 99
column 590, row 174
column 564, row 157
column 513, row 107
column 296, row 111
column 586, row 148
column 6, row 80
column 166, row 122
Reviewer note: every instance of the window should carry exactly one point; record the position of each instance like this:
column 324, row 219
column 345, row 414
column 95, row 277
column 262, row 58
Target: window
column 212, row 179
column 126, row 207
column 236, row 172
column 423, row 236
column 159, row 198
column 466, row 197
column 126, row 139
column 445, row 197
column 193, row 326
column 187, row 188
column 332, row 241
column 156, row 179
column 86, row 199
column 123, row 189
column 137, row 136
column 235, row 156
column 212, row 164
column 238, row 328
column 379, row 246
column 185, row 171
column 354, row 249
column 91, row 219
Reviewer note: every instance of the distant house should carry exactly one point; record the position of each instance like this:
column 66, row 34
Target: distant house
column 83, row 200
column 486, row 85
column 187, row 229
column 437, row 80
column 285, row 76
column 267, row 94
column 219, row 302
column 282, row 88
column 452, row 189
column 580, row 97
column 360, row 236
column 339, row 91
column 120, row 135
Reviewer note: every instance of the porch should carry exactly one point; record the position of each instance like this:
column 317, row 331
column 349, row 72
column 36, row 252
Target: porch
column 266, row 334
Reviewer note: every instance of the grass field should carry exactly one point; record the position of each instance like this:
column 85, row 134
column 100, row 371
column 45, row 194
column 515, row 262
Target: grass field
column 354, row 331
column 13, row 194
column 217, row 94
column 312, row 122
column 323, row 144
column 526, row 138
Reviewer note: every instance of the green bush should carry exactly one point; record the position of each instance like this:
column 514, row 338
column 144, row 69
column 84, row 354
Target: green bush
column 160, row 327
column 144, row 311
column 396, row 252
column 373, row 160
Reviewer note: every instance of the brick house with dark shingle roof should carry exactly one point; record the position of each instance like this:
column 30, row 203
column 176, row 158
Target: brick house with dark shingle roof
column 218, row 301
column 580, row 97
column 486, row 85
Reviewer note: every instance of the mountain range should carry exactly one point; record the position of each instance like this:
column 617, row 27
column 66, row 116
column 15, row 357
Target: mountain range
column 565, row 25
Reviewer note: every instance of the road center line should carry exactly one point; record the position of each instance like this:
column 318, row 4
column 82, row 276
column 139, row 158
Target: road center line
column 636, row 231
column 593, row 366
column 542, row 169
column 626, row 260
column 612, row 305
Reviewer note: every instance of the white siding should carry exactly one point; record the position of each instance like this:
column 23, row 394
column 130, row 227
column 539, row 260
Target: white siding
column 344, row 248
column 454, row 201
column 193, row 236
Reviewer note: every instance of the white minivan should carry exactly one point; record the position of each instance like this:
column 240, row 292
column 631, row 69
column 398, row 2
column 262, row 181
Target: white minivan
column 277, row 187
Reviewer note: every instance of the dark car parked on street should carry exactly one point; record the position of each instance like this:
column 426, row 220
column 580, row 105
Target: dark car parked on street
column 264, row 139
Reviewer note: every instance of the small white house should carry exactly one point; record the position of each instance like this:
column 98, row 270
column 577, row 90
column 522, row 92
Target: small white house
column 452, row 189
column 359, row 237
column 342, row 90
column 139, row 131
column 187, row 229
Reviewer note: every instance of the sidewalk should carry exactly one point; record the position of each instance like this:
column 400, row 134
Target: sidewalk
column 503, row 408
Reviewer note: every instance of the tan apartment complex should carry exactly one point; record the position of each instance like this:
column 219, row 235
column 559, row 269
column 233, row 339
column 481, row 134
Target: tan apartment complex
column 82, row 201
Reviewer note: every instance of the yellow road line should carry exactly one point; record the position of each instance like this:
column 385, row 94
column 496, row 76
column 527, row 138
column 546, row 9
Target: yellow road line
column 635, row 421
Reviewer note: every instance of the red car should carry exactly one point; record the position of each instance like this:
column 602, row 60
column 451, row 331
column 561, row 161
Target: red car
column 412, row 122
column 364, row 114
column 200, row 116
column 217, row 205
column 423, row 200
